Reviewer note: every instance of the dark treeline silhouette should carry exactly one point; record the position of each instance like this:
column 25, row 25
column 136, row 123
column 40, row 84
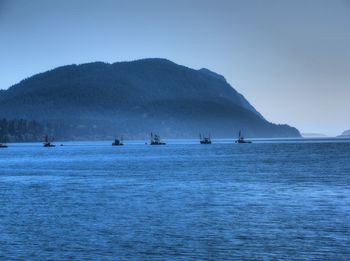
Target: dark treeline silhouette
column 20, row 130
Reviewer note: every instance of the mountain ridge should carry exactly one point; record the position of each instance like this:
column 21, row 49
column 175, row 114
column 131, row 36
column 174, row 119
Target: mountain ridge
column 133, row 96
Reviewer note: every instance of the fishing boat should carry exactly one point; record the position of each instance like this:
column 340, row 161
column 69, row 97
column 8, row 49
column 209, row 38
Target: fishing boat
column 3, row 143
column 47, row 142
column 118, row 142
column 155, row 140
column 241, row 139
column 204, row 140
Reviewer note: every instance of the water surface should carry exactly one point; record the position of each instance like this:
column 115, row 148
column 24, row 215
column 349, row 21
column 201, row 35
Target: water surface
column 88, row 200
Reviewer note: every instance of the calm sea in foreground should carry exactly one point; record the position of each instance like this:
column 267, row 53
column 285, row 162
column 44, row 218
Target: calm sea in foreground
column 88, row 200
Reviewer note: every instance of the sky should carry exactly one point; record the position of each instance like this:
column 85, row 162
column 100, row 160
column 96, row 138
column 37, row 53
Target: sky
column 290, row 59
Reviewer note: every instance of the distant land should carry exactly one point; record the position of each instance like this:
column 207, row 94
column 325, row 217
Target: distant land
column 345, row 134
column 99, row 100
column 313, row 135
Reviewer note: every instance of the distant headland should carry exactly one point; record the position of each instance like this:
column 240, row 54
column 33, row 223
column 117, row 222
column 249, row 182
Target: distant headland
column 345, row 134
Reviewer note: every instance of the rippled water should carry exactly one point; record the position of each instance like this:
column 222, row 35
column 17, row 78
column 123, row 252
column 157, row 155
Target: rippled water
column 266, row 201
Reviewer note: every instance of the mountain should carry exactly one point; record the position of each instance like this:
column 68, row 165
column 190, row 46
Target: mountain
column 135, row 98
column 345, row 134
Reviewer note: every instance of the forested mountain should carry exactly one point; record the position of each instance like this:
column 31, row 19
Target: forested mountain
column 135, row 98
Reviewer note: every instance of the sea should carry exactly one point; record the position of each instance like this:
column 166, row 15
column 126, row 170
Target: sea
column 269, row 200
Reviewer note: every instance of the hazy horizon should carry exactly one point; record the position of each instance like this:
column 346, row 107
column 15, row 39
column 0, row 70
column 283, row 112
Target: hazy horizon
column 289, row 59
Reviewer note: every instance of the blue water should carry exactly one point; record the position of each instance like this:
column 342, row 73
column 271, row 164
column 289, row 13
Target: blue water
column 266, row 201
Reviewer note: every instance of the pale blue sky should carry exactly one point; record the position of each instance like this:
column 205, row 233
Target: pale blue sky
column 291, row 59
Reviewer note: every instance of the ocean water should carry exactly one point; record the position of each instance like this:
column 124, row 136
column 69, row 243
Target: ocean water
column 269, row 200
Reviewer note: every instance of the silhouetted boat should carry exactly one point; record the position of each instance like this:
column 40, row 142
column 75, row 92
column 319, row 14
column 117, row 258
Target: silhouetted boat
column 241, row 139
column 118, row 142
column 155, row 140
column 204, row 140
column 3, row 144
column 47, row 143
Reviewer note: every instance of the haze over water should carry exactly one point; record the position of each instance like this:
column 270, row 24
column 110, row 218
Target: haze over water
column 272, row 200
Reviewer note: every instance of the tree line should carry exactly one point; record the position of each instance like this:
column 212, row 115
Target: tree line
column 21, row 130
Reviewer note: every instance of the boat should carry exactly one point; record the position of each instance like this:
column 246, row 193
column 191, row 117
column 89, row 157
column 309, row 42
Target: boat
column 3, row 145
column 241, row 139
column 155, row 140
column 204, row 140
column 118, row 142
column 47, row 143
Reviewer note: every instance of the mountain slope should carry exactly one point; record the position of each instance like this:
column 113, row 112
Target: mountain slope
column 138, row 97
column 345, row 134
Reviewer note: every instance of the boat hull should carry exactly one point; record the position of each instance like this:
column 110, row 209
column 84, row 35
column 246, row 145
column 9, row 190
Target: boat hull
column 49, row 145
column 242, row 142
